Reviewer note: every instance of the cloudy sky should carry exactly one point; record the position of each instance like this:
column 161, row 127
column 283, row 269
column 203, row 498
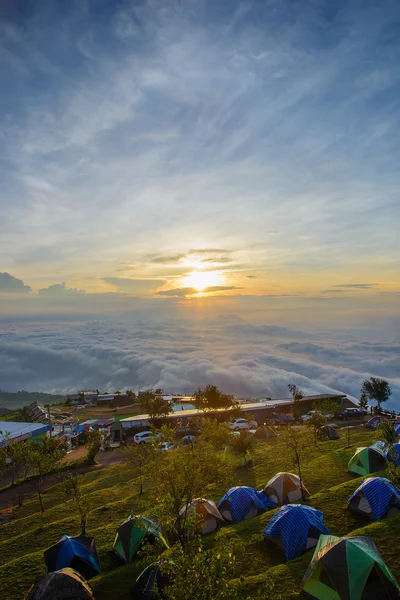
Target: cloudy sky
column 186, row 159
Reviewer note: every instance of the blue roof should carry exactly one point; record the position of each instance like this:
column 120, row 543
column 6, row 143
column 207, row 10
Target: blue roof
column 292, row 524
column 242, row 498
column 380, row 494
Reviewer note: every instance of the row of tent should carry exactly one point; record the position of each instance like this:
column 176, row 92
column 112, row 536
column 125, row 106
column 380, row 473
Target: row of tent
column 374, row 458
column 375, row 422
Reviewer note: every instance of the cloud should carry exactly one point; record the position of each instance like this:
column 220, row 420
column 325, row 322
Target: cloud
column 134, row 286
column 10, row 284
column 251, row 277
column 243, row 358
column 189, row 291
column 59, row 289
column 357, row 286
column 335, row 291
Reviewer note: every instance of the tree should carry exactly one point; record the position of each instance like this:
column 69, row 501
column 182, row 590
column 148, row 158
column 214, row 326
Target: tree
column 388, row 435
column 45, row 456
column 376, row 389
column 242, row 444
column 72, row 488
column 363, row 401
column 329, row 408
column 93, row 445
column 154, row 406
column 140, row 457
column 19, row 455
column 199, row 573
column 215, row 433
column 297, row 393
column 183, row 475
column 211, row 398
column 296, row 441
column 316, row 422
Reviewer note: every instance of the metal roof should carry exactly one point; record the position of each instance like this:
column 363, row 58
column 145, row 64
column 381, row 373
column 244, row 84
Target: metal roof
column 10, row 430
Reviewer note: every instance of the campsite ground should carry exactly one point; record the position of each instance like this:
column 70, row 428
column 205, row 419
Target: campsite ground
column 113, row 493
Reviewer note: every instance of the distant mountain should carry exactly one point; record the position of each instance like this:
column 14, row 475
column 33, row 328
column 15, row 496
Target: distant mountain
column 14, row 400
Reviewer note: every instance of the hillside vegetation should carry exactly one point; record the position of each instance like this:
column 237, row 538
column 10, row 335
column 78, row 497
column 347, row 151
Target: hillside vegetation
column 113, row 494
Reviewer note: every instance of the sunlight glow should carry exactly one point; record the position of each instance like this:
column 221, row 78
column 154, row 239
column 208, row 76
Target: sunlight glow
column 200, row 280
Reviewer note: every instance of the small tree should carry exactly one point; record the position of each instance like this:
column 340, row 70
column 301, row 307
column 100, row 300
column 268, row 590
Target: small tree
column 154, row 406
column 140, row 457
column 388, row 435
column 328, row 408
column 19, row 455
column 316, row 422
column 376, row 389
column 185, row 474
column 297, row 393
column 72, row 488
column 363, row 401
column 45, row 457
column 296, row 441
column 242, row 444
column 211, row 398
column 93, row 445
column 201, row 573
column 215, row 433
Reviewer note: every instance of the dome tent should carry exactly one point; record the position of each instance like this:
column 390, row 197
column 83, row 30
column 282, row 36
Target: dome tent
column 79, row 553
column 374, row 422
column 284, row 488
column 243, row 502
column 294, row 529
column 150, row 583
column 376, row 498
column 367, row 460
column 132, row 534
column 205, row 514
column 348, row 568
column 329, row 432
column 65, row 584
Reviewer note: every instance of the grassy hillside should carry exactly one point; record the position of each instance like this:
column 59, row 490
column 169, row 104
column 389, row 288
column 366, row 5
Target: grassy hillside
column 113, row 493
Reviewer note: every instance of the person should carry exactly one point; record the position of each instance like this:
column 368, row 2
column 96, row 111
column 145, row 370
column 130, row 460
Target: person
column 393, row 414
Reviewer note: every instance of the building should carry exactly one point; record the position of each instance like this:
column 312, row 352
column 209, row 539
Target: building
column 36, row 412
column 11, row 431
column 260, row 411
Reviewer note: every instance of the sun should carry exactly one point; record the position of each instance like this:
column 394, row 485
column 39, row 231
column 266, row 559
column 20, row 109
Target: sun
column 199, row 280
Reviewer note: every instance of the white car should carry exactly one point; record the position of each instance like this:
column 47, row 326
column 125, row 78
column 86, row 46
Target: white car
column 309, row 415
column 166, row 446
column 239, row 424
column 144, row 437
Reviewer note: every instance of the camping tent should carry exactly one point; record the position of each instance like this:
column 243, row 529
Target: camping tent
column 65, row 584
column 374, row 422
column 132, row 534
column 367, row 460
column 396, row 430
column 265, row 433
column 284, row 488
column 150, row 583
column 243, row 502
column 79, row 553
column 294, row 529
column 205, row 514
column 348, row 569
column 376, row 498
column 327, row 431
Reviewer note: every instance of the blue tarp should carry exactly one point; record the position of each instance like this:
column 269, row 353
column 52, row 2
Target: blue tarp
column 292, row 524
column 242, row 498
column 380, row 493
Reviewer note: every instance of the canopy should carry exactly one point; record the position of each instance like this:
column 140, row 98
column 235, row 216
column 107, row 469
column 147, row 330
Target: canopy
column 375, row 498
column 132, row 534
column 79, row 553
column 65, row 584
column 243, row 502
column 294, row 529
column 348, row 568
column 284, row 488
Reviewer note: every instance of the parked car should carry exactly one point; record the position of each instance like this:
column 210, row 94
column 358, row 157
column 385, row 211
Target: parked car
column 166, row 446
column 309, row 415
column 239, row 424
column 182, row 431
column 350, row 413
column 143, row 437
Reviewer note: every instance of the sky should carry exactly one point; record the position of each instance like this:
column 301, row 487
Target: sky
column 192, row 159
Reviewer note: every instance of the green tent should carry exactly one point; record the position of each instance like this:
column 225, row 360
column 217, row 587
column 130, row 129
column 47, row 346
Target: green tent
column 348, row 568
column 367, row 460
column 132, row 534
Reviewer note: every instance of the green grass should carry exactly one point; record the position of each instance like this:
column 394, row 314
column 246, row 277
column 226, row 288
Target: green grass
column 113, row 494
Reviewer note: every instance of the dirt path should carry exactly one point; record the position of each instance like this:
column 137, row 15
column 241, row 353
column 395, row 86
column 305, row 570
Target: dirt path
column 9, row 498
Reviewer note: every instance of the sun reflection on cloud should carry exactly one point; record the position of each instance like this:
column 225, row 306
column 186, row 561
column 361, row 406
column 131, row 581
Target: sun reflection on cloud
column 200, row 280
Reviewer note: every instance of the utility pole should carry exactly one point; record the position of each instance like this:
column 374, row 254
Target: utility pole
column 49, row 417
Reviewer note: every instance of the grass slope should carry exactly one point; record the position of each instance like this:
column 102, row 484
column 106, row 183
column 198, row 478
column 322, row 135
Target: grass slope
column 113, row 493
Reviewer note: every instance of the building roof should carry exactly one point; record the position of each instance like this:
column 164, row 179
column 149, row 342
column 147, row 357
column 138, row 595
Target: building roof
column 253, row 406
column 11, row 430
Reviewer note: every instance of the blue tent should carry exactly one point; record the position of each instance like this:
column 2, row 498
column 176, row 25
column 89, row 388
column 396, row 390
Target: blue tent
column 376, row 498
column 79, row 553
column 397, row 429
column 243, row 502
column 294, row 529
